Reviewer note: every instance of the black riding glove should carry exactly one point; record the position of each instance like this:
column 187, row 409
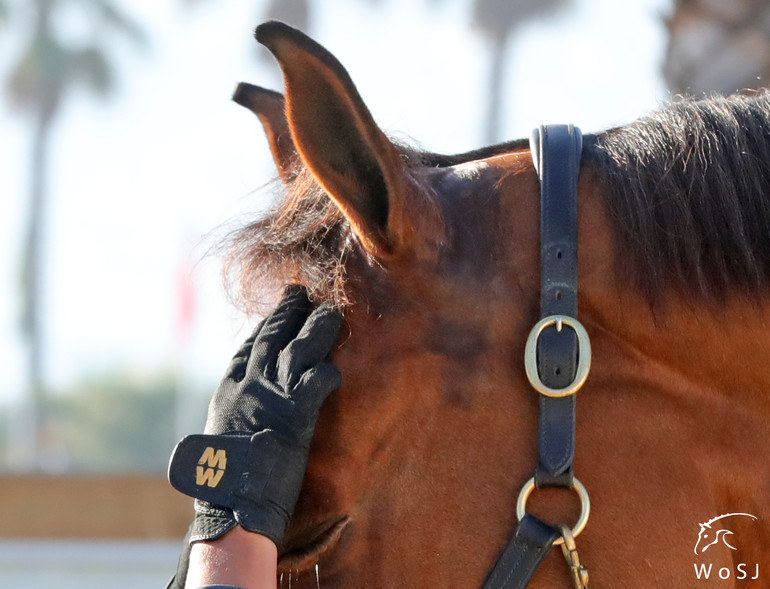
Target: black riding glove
column 248, row 467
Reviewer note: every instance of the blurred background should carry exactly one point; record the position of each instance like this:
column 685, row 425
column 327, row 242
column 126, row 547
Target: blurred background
column 124, row 164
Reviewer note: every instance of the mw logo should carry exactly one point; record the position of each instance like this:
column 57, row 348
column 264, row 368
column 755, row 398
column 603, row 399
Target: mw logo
column 211, row 467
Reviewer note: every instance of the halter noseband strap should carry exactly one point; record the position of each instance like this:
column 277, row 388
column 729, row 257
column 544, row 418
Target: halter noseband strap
column 557, row 360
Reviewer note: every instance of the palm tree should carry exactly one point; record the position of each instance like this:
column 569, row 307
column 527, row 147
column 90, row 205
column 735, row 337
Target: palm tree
column 498, row 20
column 48, row 68
column 718, row 47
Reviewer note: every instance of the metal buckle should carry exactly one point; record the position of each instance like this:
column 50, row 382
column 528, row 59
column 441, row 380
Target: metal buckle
column 584, row 355
column 577, row 486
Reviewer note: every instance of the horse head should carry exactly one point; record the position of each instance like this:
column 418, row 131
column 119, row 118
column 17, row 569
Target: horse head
column 438, row 292
column 418, row 458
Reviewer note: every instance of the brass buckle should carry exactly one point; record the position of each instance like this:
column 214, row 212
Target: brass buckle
column 584, row 355
column 577, row 486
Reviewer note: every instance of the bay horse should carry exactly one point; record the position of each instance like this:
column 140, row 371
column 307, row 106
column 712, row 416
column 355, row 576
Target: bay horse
column 418, row 458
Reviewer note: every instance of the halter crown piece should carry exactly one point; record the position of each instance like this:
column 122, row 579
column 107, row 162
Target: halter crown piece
column 557, row 360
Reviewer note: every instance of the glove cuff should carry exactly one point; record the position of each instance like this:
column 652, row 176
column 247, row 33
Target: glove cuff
column 236, row 479
column 211, row 522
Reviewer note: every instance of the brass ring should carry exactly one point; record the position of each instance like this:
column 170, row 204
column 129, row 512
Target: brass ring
column 577, row 486
column 584, row 355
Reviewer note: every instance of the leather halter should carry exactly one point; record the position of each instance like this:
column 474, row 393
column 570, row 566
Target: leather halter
column 556, row 359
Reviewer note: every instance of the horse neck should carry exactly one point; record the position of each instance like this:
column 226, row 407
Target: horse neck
column 716, row 347
column 722, row 350
column 680, row 389
column 707, row 370
column 689, row 378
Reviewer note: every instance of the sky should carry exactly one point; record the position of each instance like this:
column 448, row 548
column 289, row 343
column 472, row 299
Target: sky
column 144, row 185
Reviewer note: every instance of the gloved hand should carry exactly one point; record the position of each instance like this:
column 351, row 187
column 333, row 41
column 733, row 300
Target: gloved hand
column 248, row 466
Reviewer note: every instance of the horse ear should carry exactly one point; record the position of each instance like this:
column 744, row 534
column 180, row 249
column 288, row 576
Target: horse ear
column 338, row 140
column 270, row 107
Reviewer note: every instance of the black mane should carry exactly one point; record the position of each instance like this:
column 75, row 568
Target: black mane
column 689, row 195
column 687, row 191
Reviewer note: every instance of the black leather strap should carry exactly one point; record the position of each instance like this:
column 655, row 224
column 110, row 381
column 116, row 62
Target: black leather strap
column 556, row 151
column 522, row 555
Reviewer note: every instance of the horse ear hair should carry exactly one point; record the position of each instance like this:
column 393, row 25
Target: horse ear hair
column 338, row 140
column 270, row 108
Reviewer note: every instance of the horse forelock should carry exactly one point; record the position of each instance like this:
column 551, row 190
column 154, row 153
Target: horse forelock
column 302, row 239
column 687, row 192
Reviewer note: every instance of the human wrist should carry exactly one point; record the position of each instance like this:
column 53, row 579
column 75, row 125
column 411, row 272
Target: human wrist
column 239, row 559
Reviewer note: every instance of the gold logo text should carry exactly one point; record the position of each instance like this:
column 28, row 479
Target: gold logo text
column 215, row 462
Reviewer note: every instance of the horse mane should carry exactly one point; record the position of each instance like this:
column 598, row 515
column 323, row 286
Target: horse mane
column 688, row 193
column 302, row 239
column 439, row 160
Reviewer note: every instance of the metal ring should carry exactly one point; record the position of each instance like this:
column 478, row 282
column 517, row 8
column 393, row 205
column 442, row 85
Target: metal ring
column 584, row 356
column 577, row 486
